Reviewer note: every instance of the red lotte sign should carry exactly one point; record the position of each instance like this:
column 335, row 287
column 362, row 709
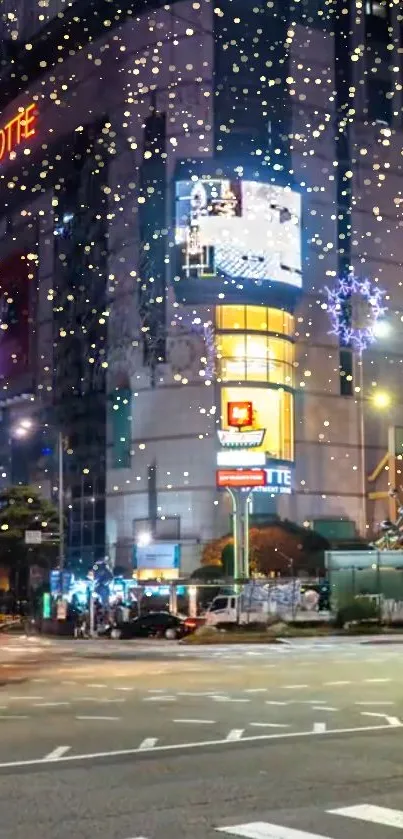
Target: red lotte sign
column 21, row 127
column 243, row 478
column 240, row 414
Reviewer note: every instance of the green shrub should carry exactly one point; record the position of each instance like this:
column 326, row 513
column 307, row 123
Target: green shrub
column 359, row 610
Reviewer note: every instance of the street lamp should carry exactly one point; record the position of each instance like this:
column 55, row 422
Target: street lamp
column 381, row 399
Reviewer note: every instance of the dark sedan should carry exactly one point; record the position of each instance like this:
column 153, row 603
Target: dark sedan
column 152, row 625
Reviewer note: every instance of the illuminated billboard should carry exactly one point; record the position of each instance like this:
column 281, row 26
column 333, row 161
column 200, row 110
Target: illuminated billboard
column 271, row 431
column 242, row 230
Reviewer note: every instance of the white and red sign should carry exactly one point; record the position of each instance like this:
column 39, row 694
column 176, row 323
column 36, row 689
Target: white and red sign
column 243, row 439
column 243, row 478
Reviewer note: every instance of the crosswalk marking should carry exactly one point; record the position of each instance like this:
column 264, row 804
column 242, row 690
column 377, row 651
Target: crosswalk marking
column 371, row 813
column 264, row 830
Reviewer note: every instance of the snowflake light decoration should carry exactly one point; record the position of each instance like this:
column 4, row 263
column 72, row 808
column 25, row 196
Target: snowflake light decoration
column 355, row 306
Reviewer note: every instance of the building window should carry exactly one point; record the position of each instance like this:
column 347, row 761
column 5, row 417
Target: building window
column 254, row 319
column 377, row 20
column 255, row 358
column 120, row 422
column 346, row 373
column 379, row 92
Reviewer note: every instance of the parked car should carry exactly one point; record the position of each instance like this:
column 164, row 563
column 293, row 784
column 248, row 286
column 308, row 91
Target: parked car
column 152, row 625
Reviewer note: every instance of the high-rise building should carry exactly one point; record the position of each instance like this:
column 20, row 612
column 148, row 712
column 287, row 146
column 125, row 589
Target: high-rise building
column 188, row 188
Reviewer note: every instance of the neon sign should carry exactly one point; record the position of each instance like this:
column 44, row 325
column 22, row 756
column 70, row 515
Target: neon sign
column 18, row 129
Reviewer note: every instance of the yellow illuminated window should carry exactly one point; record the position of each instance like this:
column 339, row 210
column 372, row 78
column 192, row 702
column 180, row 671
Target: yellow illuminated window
column 230, row 317
column 255, row 358
column 256, row 318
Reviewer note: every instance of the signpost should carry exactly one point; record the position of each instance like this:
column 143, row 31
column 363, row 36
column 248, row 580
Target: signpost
column 33, row 537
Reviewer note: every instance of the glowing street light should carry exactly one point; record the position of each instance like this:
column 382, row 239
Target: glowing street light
column 144, row 539
column 381, row 329
column 381, row 399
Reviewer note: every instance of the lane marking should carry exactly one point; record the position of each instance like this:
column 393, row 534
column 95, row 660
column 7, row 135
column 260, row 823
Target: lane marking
column 197, row 693
column 201, row 722
column 371, row 813
column 390, row 720
column 228, row 699
column 159, row 698
column 272, row 702
column 14, row 717
column 264, row 830
column 250, row 738
column 97, row 718
column 335, row 684
column 57, row 753
column 324, row 708
column 294, row 687
column 49, row 704
column 256, row 690
column 97, row 700
column 14, row 698
column 95, row 685
column 148, row 743
column 122, row 688
column 374, row 703
column 375, row 681
column 319, row 727
column 235, row 734
column 270, row 724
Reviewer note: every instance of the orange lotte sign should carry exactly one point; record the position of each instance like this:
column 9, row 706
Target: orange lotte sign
column 21, row 127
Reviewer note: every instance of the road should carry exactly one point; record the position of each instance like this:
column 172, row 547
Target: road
column 129, row 740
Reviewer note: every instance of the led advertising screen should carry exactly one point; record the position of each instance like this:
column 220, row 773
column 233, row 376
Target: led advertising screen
column 243, row 230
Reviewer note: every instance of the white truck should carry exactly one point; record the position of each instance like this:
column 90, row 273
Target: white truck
column 289, row 600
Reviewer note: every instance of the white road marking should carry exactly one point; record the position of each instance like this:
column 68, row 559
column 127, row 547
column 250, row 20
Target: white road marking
column 374, row 703
column 371, row 813
column 49, row 704
column 390, row 720
column 123, row 688
column 264, row 830
column 336, row 684
column 14, row 717
column 57, row 753
column 97, row 700
column 256, row 690
column 319, row 727
column 269, row 724
column 252, row 738
column 324, row 708
column 201, row 722
column 375, row 681
column 294, row 687
column 197, row 693
column 228, row 699
column 148, row 743
column 97, row 718
column 159, row 698
column 235, row 734
column 95, row 685
column 273, row 702
column 14, row 698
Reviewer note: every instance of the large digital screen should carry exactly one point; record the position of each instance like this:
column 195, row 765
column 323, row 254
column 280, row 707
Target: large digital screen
column 238, row 229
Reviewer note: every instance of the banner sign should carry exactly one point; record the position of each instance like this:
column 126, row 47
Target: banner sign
column 21, row 127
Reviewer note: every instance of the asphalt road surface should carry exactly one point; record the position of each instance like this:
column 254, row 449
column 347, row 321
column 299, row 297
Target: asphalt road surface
column 131, row 740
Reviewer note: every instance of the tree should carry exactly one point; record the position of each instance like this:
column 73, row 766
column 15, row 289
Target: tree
column 280, row 547
column 23, row 508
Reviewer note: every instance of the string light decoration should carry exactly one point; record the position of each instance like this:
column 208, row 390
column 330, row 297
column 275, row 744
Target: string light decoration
column 355, row 306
